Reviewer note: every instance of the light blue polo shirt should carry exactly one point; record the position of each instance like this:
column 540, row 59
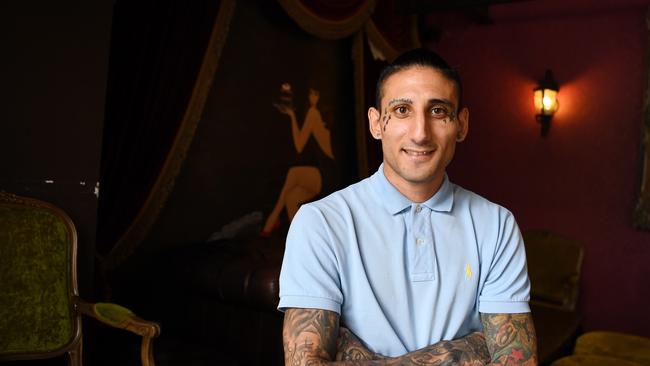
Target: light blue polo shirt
column 404, row 275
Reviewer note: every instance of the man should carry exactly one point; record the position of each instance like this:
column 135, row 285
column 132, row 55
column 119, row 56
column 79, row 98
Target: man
column 419, row 270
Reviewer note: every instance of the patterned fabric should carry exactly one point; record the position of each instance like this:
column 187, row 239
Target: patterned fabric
column 35, row 260
column 113, row 314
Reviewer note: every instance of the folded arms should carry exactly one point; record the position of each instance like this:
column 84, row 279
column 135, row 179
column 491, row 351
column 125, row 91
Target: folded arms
column 313, row 337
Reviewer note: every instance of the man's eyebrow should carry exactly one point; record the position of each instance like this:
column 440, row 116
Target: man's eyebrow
column 400, row 100
column 441, row 101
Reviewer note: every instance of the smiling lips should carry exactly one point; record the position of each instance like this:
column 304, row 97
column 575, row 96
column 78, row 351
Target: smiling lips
column 417, row 153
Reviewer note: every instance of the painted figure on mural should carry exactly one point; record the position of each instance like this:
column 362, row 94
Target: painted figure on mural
column 303, row 182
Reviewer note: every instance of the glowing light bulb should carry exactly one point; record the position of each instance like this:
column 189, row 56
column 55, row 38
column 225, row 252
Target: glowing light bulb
column 545, row 100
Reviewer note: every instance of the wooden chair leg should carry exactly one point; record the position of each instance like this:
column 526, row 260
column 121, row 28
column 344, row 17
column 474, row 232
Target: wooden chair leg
column 146, row 352
column 75, row 354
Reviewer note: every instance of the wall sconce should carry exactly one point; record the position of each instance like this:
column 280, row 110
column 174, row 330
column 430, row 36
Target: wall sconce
column 546, row 103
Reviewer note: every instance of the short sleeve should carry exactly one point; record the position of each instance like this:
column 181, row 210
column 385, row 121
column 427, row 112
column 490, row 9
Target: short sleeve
column 506, row 288
column 310, row 272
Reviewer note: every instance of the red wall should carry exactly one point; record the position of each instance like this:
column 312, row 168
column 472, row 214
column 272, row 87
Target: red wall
column 582, row 180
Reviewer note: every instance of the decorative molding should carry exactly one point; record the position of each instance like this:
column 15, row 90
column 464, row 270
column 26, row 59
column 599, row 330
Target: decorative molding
column 6, row 197
column 326, row 28
column 12, row 198
column 164, row 184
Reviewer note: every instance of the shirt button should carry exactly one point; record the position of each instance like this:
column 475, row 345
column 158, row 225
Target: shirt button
column 419, row 241
column 418, row 208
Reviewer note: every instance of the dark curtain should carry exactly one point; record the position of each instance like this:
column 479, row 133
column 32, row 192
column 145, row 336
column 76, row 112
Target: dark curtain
column 334, row 9
column 157, row 49
column 156, row 52
column 395, row 24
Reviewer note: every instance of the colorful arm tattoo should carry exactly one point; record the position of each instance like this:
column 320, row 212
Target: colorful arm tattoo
column 510, row 338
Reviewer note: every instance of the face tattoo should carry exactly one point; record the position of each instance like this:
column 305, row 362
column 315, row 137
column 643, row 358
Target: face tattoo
column 386, row 118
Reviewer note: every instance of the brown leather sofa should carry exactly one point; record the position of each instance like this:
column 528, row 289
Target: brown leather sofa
column 217, row 302
column 231, row 286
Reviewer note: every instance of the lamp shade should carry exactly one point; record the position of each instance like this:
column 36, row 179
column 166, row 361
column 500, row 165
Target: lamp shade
column 546, row 102
column 545, row 99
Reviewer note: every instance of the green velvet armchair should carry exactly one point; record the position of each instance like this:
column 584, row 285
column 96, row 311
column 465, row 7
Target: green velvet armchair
column 40, row 310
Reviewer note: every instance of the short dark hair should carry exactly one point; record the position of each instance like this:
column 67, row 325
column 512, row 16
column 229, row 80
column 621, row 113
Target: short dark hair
column 418, row 57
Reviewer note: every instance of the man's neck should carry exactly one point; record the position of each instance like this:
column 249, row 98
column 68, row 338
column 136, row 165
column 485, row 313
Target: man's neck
column 416, row 192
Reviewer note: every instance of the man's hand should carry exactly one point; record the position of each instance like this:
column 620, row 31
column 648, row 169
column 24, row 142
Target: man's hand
column 510, row 338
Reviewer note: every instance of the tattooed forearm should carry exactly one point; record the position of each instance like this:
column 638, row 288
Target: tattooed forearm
column 311, row 337
column 510, row 338
column 469, row 350
column 350, row 348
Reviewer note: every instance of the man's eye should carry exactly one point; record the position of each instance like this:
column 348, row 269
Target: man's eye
column 401, row 110
column 439, row 112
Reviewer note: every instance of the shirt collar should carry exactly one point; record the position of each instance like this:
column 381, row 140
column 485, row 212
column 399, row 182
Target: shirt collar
column 395, row 202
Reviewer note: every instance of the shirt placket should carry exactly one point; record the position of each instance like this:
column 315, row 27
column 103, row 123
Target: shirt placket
column 422, row 242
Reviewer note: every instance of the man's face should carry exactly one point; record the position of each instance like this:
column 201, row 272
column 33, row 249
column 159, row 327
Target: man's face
column 418, row 126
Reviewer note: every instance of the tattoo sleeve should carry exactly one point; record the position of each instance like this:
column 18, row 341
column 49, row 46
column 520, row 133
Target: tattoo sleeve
column 510, row 338
column 311, row 337
column 350, row 348
column 470, row 350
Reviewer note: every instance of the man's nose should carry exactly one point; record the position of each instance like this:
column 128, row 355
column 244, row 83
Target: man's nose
column 420, row 130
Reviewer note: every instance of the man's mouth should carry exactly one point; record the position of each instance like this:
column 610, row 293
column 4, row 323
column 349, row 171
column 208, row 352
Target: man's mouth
column 417, row 152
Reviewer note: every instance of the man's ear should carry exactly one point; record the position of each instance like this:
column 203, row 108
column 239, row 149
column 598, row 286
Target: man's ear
column 373, row 123
column 463, row 124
